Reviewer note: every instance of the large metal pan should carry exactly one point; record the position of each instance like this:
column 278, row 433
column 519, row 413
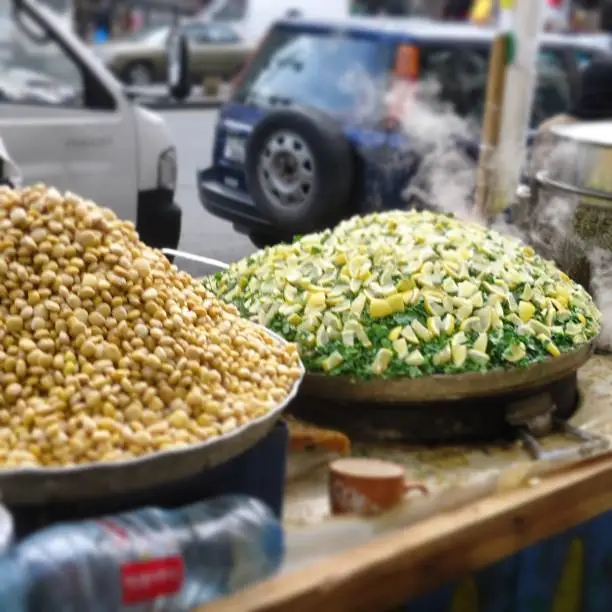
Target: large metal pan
column 436, row 388
column 35, row 486
column 445, row 387
column 447, row 409
column 441, row 408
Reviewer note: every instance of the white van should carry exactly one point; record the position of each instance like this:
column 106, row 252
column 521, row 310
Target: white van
column 72, row 125
column 253, row 18
column 9, row 172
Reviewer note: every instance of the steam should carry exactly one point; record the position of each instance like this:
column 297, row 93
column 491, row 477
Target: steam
column 446, row 175
column 445, row 180
column 441, row 176
column 601, row 286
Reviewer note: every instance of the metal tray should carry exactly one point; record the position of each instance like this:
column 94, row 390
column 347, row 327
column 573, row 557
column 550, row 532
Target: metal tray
column 434, row 388
column 30, row 486
column 445, row 387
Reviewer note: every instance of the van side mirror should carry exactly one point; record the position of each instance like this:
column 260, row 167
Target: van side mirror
column 28, row 26
column 179, row 81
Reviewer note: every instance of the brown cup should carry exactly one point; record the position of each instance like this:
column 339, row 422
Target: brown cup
column 367, row 486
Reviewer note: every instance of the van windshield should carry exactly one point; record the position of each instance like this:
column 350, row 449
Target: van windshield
column 344, row 74
column 224, row 10
column 34, row 67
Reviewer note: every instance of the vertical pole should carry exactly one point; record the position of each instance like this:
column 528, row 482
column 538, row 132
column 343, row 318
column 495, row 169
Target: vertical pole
column 485, row 173
column 521, row 80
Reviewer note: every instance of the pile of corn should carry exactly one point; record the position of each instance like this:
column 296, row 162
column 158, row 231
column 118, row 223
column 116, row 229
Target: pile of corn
column 108, row 352
column 411, row 294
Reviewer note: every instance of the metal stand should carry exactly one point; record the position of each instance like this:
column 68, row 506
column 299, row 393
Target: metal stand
column 535, row 418
column 590, row 443
column 215, row 263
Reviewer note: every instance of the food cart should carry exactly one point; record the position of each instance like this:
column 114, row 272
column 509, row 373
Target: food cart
column 525, row 518
column 513, row 526
column 485, row 502
column 539, row 548
column 510, row 535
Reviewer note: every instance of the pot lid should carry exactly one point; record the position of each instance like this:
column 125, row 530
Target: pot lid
column 592, row 132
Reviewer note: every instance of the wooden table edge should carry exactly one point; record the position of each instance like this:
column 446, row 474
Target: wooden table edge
column 390, row 570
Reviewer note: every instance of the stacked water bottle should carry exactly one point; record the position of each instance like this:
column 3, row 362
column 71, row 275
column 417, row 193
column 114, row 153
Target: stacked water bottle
column 147, row 560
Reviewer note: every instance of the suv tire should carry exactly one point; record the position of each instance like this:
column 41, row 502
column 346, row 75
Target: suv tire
column 138, row 74
column 299, row 170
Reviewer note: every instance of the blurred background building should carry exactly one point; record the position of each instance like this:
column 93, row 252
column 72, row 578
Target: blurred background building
column 101, row 19
column 93, row 18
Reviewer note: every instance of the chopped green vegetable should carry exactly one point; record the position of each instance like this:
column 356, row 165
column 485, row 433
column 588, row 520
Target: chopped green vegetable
column 407, row 294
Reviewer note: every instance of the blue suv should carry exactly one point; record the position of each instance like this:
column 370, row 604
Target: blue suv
column 301, row 144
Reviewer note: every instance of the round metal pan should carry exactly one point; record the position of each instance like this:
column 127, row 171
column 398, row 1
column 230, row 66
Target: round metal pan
column 445, row 387
column 476, row 420
column 32, row 485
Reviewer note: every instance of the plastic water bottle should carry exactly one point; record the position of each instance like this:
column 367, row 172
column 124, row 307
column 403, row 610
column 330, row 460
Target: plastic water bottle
column 6, row 529
column 150, row 560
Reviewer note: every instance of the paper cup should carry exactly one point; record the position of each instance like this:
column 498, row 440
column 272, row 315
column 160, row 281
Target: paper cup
column 367, row 486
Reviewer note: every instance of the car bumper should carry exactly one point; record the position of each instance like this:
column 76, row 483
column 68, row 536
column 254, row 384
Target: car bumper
column 229, row 204
column 159, row 218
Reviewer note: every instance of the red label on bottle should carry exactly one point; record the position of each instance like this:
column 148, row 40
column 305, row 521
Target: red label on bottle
column 143, row 581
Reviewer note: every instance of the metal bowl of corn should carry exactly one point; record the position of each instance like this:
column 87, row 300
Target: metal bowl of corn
column 415, row 305
column 118, row 373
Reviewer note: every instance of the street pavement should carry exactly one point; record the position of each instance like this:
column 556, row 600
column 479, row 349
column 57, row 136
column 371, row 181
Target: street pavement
column 202, row 233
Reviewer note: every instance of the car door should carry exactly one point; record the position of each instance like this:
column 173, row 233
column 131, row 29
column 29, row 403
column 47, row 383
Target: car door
column 225, row 49
column 215, row 50
column 197, row 52
column 71, row 133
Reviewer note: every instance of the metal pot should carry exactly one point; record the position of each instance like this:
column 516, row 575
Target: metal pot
column 583, row 160
column 579, row 172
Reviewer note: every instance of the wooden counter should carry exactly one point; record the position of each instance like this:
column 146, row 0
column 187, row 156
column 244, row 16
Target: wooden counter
column 392, row 570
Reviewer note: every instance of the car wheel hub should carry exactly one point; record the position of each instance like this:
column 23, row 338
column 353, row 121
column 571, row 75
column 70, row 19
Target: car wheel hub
column 139, row 75
column 286, row 169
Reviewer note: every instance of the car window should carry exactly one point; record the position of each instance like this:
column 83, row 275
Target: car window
column 213, row 33
column 219, row 32
column 344, row 74
column 6, row 32
column 226, row 10
column 553, row 94
column 461, row 77
column 193, row 32
column 583, row 57
column 59, row 6
column 460, row 74
column 38, row 70
column 157, row 35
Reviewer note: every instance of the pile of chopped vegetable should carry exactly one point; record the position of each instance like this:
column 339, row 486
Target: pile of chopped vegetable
column 406, row 294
